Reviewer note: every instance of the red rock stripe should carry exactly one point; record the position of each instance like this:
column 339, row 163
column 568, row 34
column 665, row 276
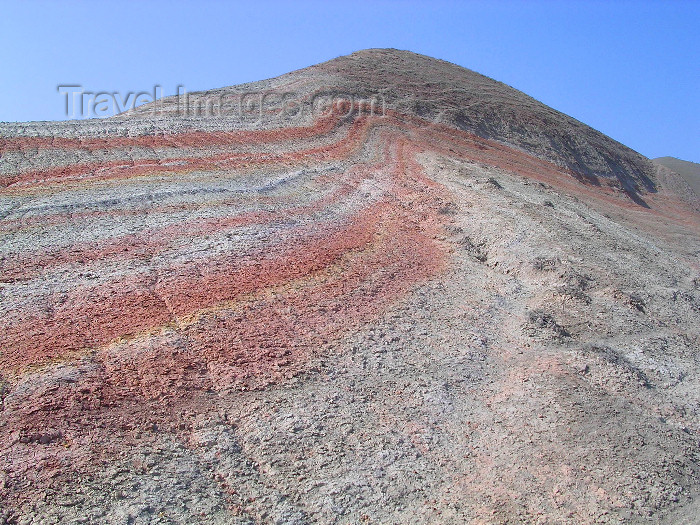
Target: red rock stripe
column 190, row 139
column 119, row 170
column 28, row 265
column 91, row 318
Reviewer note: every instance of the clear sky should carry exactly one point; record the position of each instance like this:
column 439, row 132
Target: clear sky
column 629, row 69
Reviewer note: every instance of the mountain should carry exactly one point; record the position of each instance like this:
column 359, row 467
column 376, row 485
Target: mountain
column 445, row 93
column 690, row 171
column 381, row 289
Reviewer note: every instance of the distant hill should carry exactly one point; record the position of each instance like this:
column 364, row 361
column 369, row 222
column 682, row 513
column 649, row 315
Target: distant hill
column 690, row 171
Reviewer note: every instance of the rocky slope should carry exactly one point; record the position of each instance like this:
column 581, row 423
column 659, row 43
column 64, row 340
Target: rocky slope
column 690, row 171
column 382, row 289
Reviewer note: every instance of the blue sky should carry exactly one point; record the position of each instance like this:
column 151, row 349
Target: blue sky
column 629, row 69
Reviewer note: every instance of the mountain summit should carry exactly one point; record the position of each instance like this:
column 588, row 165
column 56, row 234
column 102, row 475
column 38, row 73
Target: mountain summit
column 381, row 289
column 441, row 92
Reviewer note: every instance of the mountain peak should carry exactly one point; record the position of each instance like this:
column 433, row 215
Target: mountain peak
column 440, row 92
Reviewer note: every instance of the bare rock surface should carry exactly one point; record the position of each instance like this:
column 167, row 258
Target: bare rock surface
column 430, row 299
column 689, row 171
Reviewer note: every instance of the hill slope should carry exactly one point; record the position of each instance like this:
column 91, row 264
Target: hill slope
column 380, row 289
column 690, row 171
